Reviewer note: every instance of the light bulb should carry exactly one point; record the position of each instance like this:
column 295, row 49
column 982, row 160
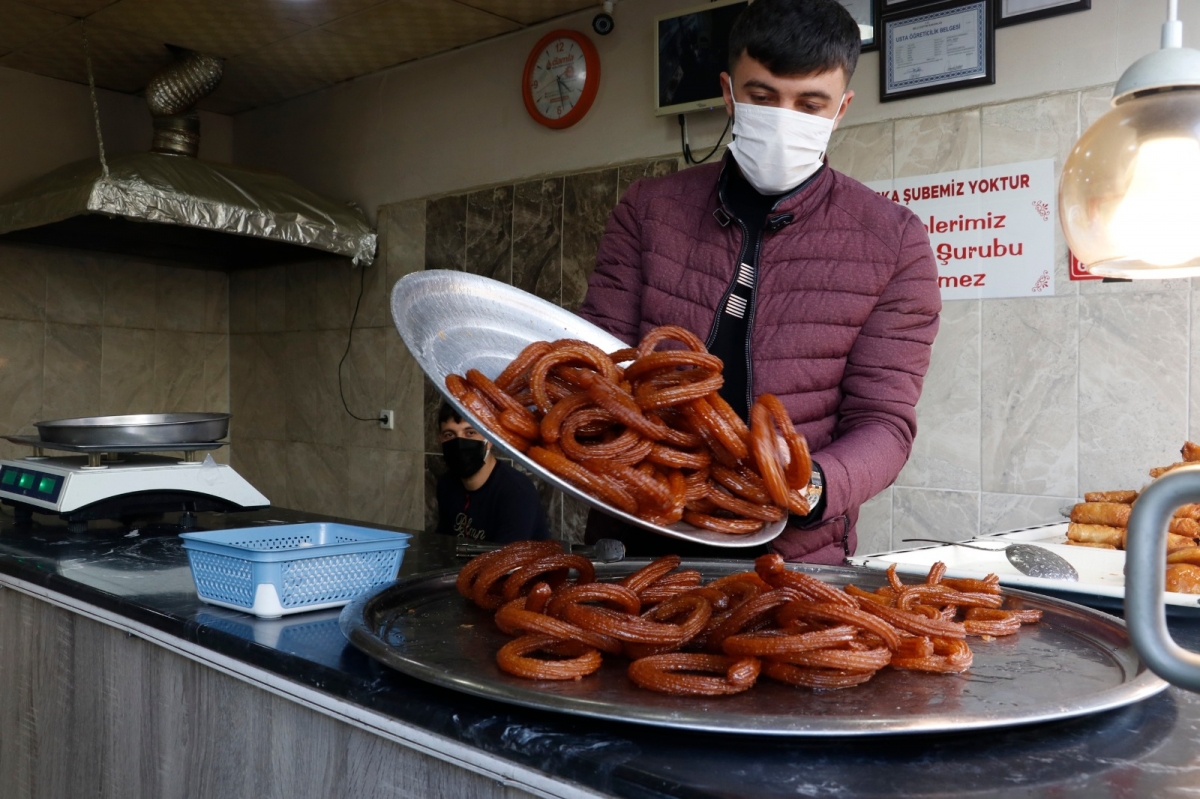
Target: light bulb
column 1156, row 221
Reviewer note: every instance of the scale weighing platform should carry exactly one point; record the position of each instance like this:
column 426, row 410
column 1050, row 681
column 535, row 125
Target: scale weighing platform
column 121, row 482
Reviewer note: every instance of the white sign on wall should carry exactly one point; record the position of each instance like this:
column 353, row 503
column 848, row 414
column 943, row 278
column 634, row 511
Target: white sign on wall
column 992, row 229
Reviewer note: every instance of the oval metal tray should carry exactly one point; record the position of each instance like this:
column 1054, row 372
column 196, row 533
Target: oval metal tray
column 453, row 321
column 137, row 429
column 1076, row 661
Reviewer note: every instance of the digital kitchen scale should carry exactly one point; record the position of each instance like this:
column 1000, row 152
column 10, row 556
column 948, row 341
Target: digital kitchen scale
column 121, row 482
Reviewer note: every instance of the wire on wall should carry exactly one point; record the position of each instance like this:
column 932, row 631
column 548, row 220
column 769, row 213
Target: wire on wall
column 362, row 282
column 688, row 157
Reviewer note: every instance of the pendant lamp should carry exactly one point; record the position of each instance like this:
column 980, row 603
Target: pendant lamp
column 1129, row 198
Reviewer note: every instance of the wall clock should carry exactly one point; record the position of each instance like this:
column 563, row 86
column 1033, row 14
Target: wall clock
column 561, row 77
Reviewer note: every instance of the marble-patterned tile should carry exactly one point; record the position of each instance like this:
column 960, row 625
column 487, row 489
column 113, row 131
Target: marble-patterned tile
column 864, row 152
column 216, row 373
column 1027, row 130
column 271, row 294
column 432, row 401
column 22, row 367
column 180, row 299
column 1093, row 104
column 264, row 464
column 318, row 478
column 938, row 143
column 259, row 385
column 216, row 301
column 1001, row 512
column 435, row 467
column 314, row 407
column 574, row 520
column 931, row 513
column 131, row 295
column 335, row 292
column 75, row 283
column 301, row 296
column 1030, row 414
column 588, row 199
column 367, row 501
column 243, row 301
column 446, row 233
column 179, row 371
column 374, row 309
column 404, row 490
column 364, row 381
column 404, row 232
column 537, row 238
column 127, row 371
column 628, row 174
column 874, row 526
column 489, row 233
column 72, row 371
column 1133, row 393
column 946, row 449
column 23, row 276
column 404, row 393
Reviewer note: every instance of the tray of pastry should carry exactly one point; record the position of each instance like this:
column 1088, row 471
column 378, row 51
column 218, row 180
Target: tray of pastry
column 1075, row 661
column 453, row 322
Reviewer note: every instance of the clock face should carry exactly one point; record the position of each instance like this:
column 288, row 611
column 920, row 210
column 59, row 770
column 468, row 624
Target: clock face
column 562, row 76
column 558, row 79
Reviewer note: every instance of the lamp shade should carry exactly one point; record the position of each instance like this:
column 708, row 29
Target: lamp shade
column 1129, row 199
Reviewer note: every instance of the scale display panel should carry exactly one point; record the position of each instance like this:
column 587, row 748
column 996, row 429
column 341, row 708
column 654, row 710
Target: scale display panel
column 30, row 483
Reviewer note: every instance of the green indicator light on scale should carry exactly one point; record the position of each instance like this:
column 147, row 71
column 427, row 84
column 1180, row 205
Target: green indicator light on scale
column 8, row 478
column 26, row 480
column 46, row 485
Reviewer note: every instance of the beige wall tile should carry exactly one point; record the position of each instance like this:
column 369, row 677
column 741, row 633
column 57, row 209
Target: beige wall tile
column 301, row 298
column 75, row 288
column 404, row 393
column 130, row 295
column 1132, row 390
column 864, row 152
column 271, row 296
column 946, row 449
column 875, row 524
column 216, row 373
column 179, row 371
column 367, row 485
column 314, row 410
column 318, row 478
column 404, row 489
column 939, row 143
column 258, row 385
column 127, row 371
column 264, row 465
column 180, row 299
column 932, row 513
column 72, row 371
column 1030, row 416
column 1001, row 512
column 243, row 301
column 364, row 380
column 23, row 276
column 22, row 362
column 336, row 289
column 403, row 230
column 216, row 302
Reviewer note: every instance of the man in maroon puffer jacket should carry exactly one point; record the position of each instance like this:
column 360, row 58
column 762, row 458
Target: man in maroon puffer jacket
column 806, row 283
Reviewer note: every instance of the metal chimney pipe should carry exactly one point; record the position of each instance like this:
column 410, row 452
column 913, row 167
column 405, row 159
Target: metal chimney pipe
column 171, row 94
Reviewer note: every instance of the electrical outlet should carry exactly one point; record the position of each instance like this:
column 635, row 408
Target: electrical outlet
column 387, row 420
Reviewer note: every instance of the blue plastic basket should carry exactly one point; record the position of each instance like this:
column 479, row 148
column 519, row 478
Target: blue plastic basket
column 288, row 568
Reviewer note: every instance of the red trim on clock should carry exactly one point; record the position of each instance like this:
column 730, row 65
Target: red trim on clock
column 590, row 86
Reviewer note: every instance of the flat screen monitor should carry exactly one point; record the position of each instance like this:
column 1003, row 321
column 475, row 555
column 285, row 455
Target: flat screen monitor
column 691, row 52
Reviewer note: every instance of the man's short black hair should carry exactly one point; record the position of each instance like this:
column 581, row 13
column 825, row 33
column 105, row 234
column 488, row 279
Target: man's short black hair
column 446, row 412
column 797, row 37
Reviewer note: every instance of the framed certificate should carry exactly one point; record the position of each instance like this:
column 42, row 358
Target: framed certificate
column 865, row 13
column 936, row 48
column 1014, row 12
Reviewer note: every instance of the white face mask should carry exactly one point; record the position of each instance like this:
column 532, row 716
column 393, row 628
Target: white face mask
column 777, row 149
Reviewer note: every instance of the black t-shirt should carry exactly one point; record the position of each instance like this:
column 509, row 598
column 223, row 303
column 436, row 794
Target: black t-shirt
column 504, row 509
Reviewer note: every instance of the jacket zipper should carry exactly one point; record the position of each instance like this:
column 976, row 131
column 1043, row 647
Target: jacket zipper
column 750, row 322
column 712, row 331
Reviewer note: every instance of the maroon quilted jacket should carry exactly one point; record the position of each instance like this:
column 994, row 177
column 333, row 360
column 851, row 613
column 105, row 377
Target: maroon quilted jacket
column 845, row 312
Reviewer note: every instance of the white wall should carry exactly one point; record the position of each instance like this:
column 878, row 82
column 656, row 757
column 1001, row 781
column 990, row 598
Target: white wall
column 456, row 121
column 46, row 123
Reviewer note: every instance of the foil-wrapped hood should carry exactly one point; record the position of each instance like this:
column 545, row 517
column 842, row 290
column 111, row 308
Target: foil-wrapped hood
column 144, row 193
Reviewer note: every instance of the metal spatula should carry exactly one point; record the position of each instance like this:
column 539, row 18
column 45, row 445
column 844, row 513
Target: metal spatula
column 1028, row 559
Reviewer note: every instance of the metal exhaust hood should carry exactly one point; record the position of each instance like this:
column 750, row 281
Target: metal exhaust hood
column 169, row 205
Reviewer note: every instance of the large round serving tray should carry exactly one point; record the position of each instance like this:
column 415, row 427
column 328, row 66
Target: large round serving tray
column 1076, row 661
column 453, row 321
column 135, row 429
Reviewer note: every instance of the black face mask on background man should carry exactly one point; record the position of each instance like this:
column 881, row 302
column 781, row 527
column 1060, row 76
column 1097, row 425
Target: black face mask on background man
column 464, row 456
